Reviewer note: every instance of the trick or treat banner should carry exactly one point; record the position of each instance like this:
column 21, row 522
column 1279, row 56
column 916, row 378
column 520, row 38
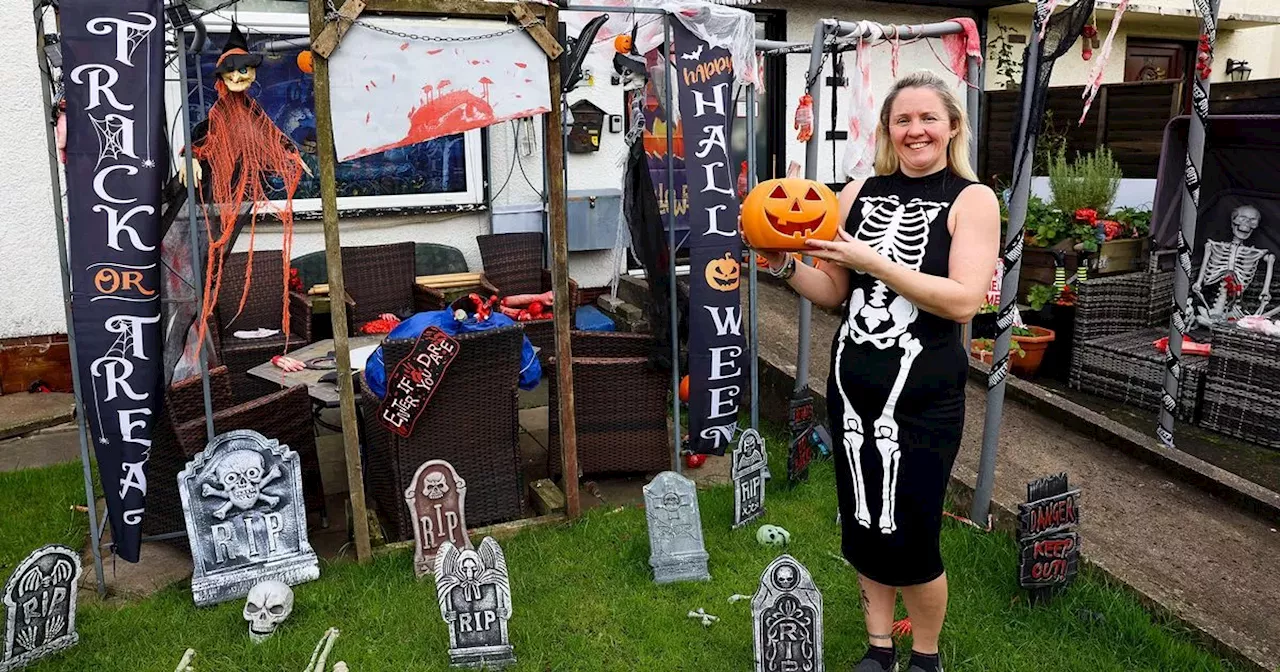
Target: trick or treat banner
column 113, row 68
column 715, row 310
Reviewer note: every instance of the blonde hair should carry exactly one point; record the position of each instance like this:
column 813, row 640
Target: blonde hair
column 957, row 150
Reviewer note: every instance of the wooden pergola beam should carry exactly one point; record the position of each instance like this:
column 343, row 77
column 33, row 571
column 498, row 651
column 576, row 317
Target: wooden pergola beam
column 556, row 211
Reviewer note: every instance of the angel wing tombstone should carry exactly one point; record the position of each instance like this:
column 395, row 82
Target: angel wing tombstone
column 436, row 497
column 786, row 614
column 474, row 591
column 676, row 550
column 246, row 522
column 748, row 478
column 40, row 606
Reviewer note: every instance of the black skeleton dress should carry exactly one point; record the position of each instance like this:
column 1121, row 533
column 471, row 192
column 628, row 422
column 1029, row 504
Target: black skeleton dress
column 896, row 390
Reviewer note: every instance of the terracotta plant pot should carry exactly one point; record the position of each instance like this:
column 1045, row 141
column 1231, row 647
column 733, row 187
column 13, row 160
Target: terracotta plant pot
column 1033, row 347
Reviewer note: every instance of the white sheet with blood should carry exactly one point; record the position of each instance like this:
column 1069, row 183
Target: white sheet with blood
column 389, row 91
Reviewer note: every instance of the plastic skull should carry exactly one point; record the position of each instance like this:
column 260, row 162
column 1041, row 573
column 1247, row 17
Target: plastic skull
column 772, row 535
column 434, row 486
column 268, row 605
column 240, row 472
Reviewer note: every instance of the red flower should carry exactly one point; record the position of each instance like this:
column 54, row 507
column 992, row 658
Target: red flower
column 1087, row 215
column 1113, row 228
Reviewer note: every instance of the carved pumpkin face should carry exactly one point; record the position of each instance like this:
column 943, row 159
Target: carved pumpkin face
column 723, row 274
column 781, row 214
column 622, row 44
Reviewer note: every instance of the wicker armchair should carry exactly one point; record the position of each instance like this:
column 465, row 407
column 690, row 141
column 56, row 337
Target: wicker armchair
column 179, row 434
column 1118, row 318
column 471, row 421
column 620, row 406
column 377, row 278
column 1242, row 385
column 513, row 262
column 435, row 259
column 263, row 309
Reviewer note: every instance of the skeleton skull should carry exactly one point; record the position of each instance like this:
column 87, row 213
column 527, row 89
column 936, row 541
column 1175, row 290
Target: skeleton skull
column 268, row 605
column 240, row 472
column 772, row 535
column 434, row 486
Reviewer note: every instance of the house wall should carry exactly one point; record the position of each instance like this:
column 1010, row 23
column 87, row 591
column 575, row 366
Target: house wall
column 30, row 294
column 1257, row 45
column 30, row 289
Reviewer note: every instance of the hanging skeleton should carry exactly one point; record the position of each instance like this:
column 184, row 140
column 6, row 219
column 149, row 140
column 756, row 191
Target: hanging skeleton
column 1232, row 267
column 900, row 233
column 241, row 148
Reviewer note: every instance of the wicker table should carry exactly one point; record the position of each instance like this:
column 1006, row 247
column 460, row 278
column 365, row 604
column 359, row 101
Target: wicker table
column 323, row 394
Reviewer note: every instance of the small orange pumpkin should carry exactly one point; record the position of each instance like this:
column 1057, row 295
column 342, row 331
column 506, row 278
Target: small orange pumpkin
column 724, row 274
column 781, row 214
column 304, row 61
column 622, row 44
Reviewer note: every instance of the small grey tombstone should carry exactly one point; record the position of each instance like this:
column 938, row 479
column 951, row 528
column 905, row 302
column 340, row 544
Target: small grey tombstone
column 474, row 591
column 786, row 614
column 437, row 498
column 246, row 522
column 40, row 606
column 748, row 478
column 676, row 550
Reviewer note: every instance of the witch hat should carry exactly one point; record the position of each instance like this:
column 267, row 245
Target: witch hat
column 235, row 53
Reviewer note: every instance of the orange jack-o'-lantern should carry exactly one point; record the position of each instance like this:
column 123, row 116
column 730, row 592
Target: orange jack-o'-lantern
column 724, row 274
column 622, row 44
column 304, row 61
column 781, row 214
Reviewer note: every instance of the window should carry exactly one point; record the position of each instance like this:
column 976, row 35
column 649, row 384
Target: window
column 441, row 173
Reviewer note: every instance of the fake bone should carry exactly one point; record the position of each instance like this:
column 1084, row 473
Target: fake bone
column 187, row 662
column 321, row 653
column 271, row 500
column 707, row 619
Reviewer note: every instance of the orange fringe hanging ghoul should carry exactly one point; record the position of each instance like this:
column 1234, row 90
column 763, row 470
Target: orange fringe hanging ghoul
column 242, row 148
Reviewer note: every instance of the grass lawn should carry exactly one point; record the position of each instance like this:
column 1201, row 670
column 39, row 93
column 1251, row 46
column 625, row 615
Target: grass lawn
column 584, row 600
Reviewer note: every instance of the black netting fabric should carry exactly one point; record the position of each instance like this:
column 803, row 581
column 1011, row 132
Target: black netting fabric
column 1063, row 29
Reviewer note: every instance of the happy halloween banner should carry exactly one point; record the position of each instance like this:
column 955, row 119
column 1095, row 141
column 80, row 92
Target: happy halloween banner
column 113, row 67
column 715, row 310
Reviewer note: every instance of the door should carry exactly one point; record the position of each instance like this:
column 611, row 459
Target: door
column 1146, row 60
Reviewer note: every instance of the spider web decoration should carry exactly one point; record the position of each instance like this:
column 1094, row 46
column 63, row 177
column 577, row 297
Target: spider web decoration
column 123, row 344
column 136, row 36
column 111, row 137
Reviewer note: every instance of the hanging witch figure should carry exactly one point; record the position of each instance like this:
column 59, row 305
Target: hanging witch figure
column 240, row 148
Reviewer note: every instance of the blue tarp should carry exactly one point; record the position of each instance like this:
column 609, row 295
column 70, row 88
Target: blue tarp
column 375, row 370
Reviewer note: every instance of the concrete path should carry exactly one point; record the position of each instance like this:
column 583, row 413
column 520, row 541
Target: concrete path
column 1208, row 563
column 22, row 413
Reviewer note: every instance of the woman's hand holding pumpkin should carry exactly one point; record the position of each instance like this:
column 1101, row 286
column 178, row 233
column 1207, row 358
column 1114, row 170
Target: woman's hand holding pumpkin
column 846, row 251
column 773, row 259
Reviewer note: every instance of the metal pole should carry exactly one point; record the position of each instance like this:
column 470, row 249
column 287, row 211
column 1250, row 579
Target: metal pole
column 671, row 243
column 1180, row 321
column 816, row 59
column 55, row 182
column 754, row 266
column 193, row 231
column 1012, row 260
column 973, row 107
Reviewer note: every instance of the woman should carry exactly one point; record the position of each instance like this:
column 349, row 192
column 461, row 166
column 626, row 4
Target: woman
column 912, row 263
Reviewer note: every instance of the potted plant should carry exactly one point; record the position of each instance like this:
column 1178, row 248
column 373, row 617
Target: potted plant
column 1055, row 311
column 1026, row 349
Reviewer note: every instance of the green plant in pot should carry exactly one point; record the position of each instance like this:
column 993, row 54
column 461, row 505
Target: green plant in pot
column 1026, row 349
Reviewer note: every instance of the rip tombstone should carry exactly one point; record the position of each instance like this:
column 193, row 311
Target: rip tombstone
column 676, row 549
column 246, row 522
column 474, row 591
column 786, row 615
column 40, row 607
column 748, row 478
column 436, row 498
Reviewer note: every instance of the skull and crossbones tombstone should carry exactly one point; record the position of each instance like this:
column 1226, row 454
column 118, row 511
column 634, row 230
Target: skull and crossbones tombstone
column 245, row 517
column 1230, row 268
column 242, row 476
column 676, row 549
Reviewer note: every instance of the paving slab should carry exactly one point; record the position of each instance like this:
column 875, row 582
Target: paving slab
column 39, row 449
column 22, row 413
column 1209, row 563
